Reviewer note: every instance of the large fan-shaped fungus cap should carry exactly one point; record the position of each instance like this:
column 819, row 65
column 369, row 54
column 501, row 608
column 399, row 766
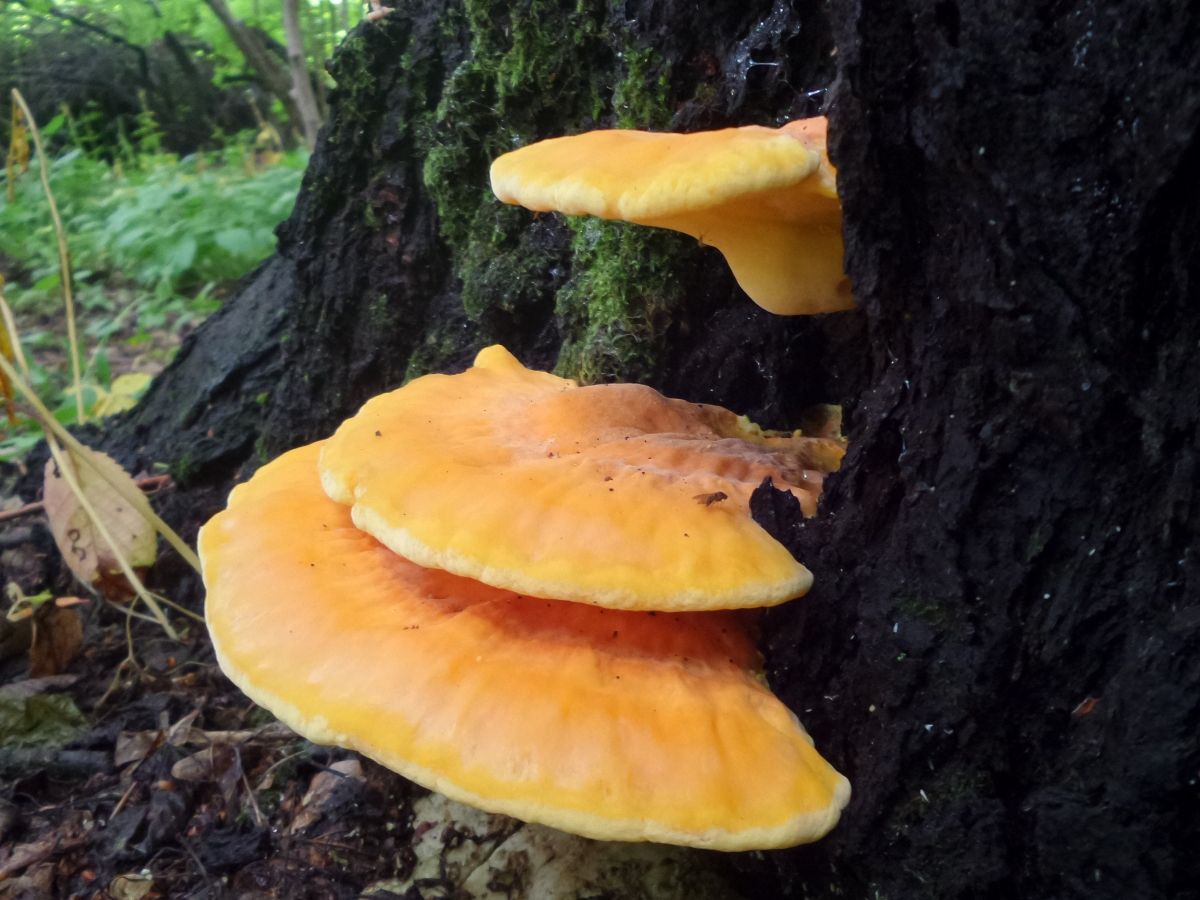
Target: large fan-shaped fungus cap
column 615, row 725
column 765, row 197
column 611, row 494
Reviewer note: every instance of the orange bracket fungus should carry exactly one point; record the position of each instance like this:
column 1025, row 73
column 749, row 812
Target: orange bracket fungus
column 765, row 197
column 614, row 725
column 529, row 482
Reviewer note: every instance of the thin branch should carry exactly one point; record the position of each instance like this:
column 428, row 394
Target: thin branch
column 149, row 483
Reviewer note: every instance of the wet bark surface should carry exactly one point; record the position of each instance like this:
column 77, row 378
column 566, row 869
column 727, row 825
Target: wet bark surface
column 1002, row 650
column 1004, row 630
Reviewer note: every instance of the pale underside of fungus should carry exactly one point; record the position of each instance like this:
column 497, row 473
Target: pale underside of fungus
column 611, row 724
column 765, row 197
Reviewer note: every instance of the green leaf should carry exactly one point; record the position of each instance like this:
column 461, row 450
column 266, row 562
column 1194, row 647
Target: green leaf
column 47, row 283
column 51, row 128
column 237, row 241
column 182, row 256
column 102, row 369
column 43, row 720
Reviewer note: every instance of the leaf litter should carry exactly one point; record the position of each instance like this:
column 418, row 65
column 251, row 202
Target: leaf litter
column 178, row 786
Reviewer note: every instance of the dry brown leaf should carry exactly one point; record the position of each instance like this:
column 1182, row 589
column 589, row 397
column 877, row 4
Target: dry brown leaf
column 134, row 746
column 322, row 791
column 86, row 553
column 200, row 766
column 219, row 763
column 57, row 637
column 131, row 886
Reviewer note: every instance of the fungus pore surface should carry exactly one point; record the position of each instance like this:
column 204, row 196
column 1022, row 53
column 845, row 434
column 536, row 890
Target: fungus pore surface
column 612, row 495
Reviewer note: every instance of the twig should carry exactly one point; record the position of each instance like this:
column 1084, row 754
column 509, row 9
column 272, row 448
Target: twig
column 16, row 762
column 208, row 883
column 64, row 258
column 125, row 609
column 149, row 483
column 178, row 607
column 124, row 798
column 127, row 661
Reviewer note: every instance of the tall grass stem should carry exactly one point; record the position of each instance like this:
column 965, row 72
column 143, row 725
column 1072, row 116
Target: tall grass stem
column 64, row 258
column 131, row 494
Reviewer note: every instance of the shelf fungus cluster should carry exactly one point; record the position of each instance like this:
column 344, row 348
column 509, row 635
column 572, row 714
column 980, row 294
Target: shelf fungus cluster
column 765, row 197
column 532, row 597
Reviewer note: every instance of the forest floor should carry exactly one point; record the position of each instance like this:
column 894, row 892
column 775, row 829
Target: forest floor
column 160, row 779
column 131, row 768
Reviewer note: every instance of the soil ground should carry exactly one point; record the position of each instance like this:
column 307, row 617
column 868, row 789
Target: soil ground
column 140, row 771
column 176, row 785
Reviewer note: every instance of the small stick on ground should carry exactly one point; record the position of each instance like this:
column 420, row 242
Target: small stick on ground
column 149, row 484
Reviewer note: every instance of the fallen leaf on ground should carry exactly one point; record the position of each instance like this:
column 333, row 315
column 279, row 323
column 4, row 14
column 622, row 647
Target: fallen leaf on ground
column 25, row 855
column 134, row 746
column 324, row 789
column 122, row 394
column 57, row 637
column 83, row 549
column 133, row 886
column 43, row 720
column 218, row 763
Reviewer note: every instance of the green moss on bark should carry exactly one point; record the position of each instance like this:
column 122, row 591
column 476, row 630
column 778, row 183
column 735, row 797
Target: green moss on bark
column 621, row 294
column 640, row 99
column 522, row 78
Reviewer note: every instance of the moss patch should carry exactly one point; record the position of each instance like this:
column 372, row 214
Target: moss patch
column 609, row 285
column 621, row 294
column 640, row 99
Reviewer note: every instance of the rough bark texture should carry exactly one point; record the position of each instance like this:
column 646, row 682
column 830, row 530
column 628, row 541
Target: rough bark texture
column 1016, row 528
column 1002, row 649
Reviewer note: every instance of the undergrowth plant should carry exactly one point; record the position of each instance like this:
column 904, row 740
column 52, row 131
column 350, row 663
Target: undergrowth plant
column 155, row 240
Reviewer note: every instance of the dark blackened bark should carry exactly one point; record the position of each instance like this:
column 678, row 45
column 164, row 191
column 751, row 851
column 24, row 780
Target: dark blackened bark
column 1002, row 649
column 1003, row 646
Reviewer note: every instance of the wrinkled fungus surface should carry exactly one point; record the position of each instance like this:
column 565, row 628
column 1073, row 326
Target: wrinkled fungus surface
column 598, row 494
column 611, row 724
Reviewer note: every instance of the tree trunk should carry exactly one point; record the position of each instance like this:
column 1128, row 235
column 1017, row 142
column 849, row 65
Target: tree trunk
column 275, row 77
column 1002, row 647
column 302, row 90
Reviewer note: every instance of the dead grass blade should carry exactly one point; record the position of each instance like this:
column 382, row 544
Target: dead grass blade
column 64, row 258
column 128, row 490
